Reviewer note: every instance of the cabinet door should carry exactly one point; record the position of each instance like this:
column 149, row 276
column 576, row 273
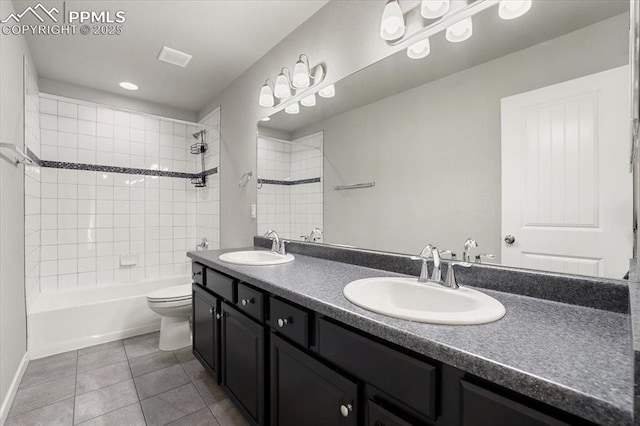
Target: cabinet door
column 243, row 362
column 206, row 330
column 481, row 407
column 306, row 392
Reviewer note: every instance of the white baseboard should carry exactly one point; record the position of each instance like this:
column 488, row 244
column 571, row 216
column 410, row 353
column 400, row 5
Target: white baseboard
column 13, row 389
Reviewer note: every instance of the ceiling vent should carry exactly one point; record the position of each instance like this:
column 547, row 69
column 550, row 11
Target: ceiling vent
column 174, row 57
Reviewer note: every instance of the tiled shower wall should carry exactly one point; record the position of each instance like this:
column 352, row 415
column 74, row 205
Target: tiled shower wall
column 290, row 205
column 208, row 198
column 31, row 187
column 90, row 218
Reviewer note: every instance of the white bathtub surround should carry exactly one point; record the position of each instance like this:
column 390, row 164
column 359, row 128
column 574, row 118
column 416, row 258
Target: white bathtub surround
column 74, row 319
column 208, row 198
column 292, row 210
column 91, row 218
column 32, row 181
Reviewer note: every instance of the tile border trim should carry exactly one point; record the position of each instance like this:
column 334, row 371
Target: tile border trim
column 116, row 169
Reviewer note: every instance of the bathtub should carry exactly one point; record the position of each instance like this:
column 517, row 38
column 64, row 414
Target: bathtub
column 64, row 321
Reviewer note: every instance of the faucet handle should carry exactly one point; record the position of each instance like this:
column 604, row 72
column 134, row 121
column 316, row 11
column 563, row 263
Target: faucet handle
column 450, row 280
column 484, row 256
column 450, row 253
column 305, row 238
column 281, row 249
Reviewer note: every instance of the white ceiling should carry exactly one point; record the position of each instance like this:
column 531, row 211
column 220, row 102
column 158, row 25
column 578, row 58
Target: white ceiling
column 224, row 37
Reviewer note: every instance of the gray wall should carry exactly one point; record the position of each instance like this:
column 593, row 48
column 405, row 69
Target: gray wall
column 434, row 151
column 13, row 322
column 331, row 36
column 75, row 91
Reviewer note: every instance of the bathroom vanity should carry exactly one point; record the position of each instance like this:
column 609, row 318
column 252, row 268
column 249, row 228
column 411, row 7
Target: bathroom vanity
column 289, row 349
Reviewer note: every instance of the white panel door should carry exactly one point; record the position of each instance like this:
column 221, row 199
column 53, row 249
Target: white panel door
column 566, row 186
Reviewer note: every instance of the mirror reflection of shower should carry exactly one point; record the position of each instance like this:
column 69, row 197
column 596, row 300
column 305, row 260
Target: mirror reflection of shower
column 199, row 148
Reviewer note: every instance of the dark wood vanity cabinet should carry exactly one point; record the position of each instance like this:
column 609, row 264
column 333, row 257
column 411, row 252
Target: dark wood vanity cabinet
column 306, row 392
column 206, row 330
column 285, row 365
column 243, row 369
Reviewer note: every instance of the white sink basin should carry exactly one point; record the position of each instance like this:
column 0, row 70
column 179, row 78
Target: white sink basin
column 257, row 258
column 408, row 299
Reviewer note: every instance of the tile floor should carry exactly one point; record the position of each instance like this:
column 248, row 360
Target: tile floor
column 128, row 382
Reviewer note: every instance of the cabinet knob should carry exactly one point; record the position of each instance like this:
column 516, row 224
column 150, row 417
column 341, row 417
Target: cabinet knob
column 197, row 273
column 245, row 302
column 212, row 311
column 282, row 322
column 345, row 410
column 217, row 316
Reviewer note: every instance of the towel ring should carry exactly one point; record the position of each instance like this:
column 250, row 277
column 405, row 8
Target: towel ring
column 244, row 180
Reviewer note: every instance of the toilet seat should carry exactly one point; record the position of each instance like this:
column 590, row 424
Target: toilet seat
column 178, row 293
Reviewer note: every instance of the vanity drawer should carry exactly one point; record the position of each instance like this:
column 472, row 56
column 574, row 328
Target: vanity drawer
column 197, row 273
column 409, row 380
column 290, row 321
column 220, row 284
column 250, row 301
column 378, row 416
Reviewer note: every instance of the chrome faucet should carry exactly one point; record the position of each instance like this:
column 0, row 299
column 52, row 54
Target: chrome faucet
column 278, row 245
column 315, row 235
column 469, row 244
column 431, row 252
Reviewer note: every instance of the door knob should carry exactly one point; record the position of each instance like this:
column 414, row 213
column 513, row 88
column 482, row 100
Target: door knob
column 346, row 409
column 509, row 239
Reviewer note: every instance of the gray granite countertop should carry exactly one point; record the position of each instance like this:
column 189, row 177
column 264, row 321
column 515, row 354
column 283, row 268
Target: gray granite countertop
column 575, row 358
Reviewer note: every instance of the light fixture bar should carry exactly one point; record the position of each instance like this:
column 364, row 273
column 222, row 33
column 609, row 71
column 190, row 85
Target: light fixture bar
column 446, row 21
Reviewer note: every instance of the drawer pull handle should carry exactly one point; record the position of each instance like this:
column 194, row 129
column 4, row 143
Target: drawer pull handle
column 282, row 322
column 245, row 302
column 346, row 409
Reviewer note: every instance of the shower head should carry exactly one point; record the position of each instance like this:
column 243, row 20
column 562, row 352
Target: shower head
column 199, row 134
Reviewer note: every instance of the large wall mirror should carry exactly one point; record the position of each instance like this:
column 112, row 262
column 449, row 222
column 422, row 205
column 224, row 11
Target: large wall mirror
column 517, row 137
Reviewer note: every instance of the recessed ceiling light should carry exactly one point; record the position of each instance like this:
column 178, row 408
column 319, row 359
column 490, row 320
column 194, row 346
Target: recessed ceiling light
column 128, row 86
column 174, row 57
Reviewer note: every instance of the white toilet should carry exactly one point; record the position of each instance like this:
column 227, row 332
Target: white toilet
column 174, row 305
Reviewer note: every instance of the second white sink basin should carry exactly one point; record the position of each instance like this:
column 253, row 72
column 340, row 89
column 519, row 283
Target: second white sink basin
column 408, row 299
column 255, row 257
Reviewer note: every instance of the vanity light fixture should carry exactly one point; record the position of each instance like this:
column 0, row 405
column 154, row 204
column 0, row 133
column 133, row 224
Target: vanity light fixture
column 392, row 24
column 432, row 9
column 301, row 74
column 128, row 86
column 294, row 108
column 282, row 89
column 419, row 50
column 266, row 94
column 462, row 30
column 290, row 90
column 328, row 92
column 511, row 9
column 309, row 101
column 456, row 22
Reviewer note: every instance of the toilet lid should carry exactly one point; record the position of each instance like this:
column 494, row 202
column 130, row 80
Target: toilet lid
column 170, row 294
